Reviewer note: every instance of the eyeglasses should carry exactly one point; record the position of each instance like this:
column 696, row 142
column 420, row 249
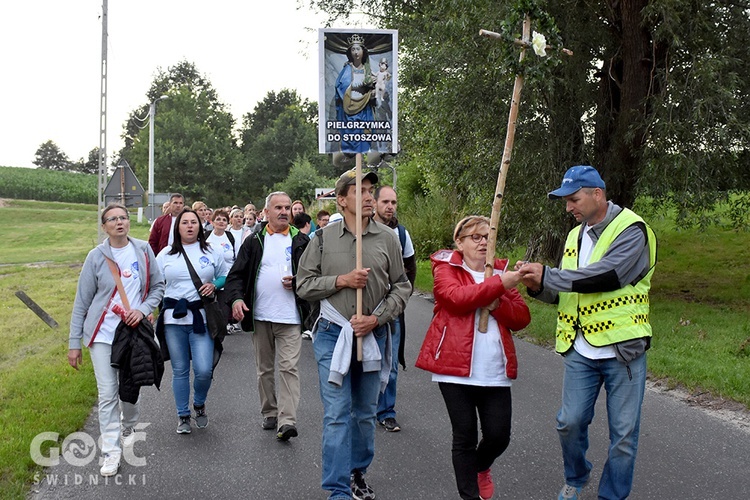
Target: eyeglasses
column 476, row 237
column 117, row 218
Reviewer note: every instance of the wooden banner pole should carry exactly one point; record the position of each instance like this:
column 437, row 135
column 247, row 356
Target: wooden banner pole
column 497, row 202
column 358, row 234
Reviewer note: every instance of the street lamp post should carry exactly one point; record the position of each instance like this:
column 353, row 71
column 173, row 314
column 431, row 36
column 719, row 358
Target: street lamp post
column 151, row 115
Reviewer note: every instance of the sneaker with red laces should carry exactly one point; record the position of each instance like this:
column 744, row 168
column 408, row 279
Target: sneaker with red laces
column 486, row 486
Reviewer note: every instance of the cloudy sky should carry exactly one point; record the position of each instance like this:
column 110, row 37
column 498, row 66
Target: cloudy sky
column 50, row 62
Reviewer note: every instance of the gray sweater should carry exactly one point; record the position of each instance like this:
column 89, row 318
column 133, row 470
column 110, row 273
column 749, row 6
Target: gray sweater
column 96, row 284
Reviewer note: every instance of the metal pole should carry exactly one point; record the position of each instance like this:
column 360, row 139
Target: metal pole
column 150, row 194
column 102, row 174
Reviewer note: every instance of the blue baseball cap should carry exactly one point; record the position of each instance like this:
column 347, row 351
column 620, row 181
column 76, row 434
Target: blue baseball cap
column 575, row 178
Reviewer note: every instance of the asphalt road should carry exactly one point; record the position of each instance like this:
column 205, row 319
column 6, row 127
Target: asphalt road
column 685, row 453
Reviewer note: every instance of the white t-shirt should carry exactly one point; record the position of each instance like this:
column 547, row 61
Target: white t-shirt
column 127, row 262
column 580, row 344
column 488, row 356
column 408, row 249
column 238, row 237
column 171, row 231
column 272, row 301
column 208, row 266
column 222, row 242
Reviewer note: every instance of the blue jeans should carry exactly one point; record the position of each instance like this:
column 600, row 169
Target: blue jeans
column 183, row 344
column 348, row 412
column 387, row 400
column 625, row 386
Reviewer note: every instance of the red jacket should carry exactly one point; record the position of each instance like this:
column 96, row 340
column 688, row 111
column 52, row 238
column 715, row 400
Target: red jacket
column 449, row 342
column 158, row 238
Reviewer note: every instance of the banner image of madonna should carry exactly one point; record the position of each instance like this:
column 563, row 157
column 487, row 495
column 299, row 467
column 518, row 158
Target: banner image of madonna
column 357, row 103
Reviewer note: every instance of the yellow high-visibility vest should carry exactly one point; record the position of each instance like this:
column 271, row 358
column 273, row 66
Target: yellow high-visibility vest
column 608, row 317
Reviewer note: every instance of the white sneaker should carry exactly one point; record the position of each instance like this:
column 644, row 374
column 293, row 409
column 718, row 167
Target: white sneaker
column 307, row 334
column 127, row 437
column 111, row 465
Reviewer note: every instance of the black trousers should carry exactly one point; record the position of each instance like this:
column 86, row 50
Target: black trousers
column 471, row 455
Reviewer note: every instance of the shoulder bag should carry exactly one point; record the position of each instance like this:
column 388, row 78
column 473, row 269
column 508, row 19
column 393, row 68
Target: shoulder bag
column 216, row 321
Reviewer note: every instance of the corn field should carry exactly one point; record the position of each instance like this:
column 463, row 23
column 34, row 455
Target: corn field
column 47, row 185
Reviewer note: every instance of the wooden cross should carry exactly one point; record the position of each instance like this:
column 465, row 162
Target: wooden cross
column 524, row 43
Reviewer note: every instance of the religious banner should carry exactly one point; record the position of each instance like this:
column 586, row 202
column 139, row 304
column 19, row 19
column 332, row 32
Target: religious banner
column 357, row 104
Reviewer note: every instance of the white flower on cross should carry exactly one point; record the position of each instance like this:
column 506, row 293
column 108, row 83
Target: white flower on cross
column 539, row 44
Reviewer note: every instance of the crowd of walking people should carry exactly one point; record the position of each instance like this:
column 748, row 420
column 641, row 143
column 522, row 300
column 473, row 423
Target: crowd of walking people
column 284, row 275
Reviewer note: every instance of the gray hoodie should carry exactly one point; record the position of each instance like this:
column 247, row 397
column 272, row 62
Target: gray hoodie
column 96, row 284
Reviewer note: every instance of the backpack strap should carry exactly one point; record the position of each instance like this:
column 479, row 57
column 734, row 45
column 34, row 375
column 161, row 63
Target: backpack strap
column 402, row 237
column 230, row 237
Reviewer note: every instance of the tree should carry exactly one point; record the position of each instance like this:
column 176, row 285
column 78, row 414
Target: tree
column 656, row 97
column 90, row 166
column 302, row 181
column 49, row 156
column 281, row 129
column 195, row 152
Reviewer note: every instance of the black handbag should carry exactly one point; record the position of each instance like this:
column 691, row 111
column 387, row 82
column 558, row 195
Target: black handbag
column 216, row 319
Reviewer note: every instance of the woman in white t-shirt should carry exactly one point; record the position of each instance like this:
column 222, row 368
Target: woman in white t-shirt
column 218, row 237
column 237, row 228
column 183, row 316
column 474, row 369
column 97, row 311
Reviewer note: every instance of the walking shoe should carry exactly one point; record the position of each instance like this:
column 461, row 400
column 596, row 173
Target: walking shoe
column 111, row 465
column 184, row 426
column 286, row 432
column 569, row 492
column 307, row 334
column 486, row 486
column 127, row 437
column 360, row 489
column 201, row 418
column 390, row 424
column 269, row 423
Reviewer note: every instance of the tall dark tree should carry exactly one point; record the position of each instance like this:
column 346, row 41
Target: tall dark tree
column 281, row 129
column 194, row 149
column 49, row 156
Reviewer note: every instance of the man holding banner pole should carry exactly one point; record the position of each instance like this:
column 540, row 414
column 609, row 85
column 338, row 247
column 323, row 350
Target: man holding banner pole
column 349, row 388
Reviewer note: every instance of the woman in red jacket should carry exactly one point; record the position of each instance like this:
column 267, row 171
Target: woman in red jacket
column 474, row 370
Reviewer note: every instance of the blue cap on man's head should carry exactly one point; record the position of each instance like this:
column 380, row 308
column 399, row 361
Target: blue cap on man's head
column 580, row 176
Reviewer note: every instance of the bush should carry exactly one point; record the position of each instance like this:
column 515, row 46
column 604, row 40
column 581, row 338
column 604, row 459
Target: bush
column 430, row 221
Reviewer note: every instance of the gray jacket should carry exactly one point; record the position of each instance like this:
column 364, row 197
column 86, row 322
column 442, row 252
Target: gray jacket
column 96, row 285
column 626, row 261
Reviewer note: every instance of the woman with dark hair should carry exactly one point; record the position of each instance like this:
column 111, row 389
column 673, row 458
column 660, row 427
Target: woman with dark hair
column 97, row 311
column 221, row 239
column 474, row 369
column 184, row 318
column 355, row 94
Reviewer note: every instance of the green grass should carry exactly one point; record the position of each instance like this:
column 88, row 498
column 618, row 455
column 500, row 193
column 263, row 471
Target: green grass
column 39, row 391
